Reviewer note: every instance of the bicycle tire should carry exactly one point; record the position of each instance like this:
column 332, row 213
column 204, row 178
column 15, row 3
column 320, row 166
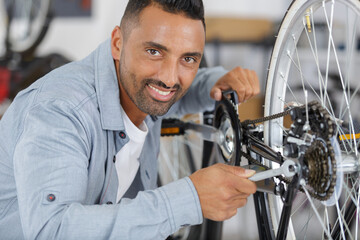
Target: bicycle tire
column 21, row 36
column 297, row 25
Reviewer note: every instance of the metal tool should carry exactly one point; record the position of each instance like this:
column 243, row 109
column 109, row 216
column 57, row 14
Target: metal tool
column 288, row 169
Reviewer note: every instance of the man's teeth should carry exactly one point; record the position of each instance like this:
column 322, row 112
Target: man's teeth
column 160, row 92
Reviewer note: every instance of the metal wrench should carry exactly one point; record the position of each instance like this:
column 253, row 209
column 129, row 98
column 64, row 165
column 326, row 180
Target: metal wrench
column 288, row 169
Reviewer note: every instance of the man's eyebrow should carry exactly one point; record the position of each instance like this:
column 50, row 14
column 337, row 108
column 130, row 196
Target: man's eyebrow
column 162, row 47
column 193, row 54
column 157, row 45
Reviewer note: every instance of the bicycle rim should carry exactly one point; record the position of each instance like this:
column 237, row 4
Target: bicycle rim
column 28, row 25
column 315, row 57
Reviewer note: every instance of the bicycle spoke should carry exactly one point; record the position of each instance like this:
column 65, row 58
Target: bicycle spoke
column 341, row 220
column 287, row 85
column 331, row 111
column 299, row 66
column 302, row 77
column 350, row 49
column 320, row 80
column 316, row 58
column 328, row 50
column 300, row 205
column 302, row 183
column 357, row 214
column 283, row 129
column 350, row 193
column 338, row 66
column 316, row 55
column 306, row 225
column 326, row 216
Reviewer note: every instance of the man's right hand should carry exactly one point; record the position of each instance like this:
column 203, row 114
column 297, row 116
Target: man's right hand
column 222, row 189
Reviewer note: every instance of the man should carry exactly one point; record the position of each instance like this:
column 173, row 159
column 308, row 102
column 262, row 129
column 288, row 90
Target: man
column 78, row 148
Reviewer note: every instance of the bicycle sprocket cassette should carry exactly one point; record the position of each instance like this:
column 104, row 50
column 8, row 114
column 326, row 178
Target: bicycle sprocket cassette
column 316, row 150
column 227, row 121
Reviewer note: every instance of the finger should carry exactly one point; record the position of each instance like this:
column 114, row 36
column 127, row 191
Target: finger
column 241, row 85
column 246, row 186
column 238, row 171
column 240, row 195
column 256, row 83
column 238, row 179
column 239, row 202
column 250, row 82
column 215, row 93
column 227, row 214
column 235, row 204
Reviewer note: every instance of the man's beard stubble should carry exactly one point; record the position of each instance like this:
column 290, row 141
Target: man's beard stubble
column 139, row 97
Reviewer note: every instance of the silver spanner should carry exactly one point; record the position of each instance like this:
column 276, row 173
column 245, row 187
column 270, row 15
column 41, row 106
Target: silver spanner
column 288, row 169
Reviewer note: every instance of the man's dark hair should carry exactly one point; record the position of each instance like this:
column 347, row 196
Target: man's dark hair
column 193, row 9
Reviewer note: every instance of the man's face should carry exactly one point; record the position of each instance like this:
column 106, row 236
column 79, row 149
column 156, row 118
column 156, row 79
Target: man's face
column 159, row 60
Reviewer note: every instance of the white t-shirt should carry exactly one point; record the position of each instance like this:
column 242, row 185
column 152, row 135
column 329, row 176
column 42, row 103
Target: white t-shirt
column 127, row 163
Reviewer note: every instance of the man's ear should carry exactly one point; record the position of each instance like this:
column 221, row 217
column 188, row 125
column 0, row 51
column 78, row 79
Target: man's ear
column 116, row 43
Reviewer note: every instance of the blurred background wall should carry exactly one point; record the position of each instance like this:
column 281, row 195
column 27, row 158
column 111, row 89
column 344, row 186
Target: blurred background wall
column 78, row 36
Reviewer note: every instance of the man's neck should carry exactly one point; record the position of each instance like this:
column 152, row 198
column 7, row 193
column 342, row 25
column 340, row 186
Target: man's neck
column 132, row 111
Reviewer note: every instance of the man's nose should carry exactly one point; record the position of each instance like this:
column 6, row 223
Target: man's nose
column 169, row 73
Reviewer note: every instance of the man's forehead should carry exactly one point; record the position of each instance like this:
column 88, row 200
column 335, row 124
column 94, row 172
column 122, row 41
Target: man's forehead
column 160, row 26
column 156, row 12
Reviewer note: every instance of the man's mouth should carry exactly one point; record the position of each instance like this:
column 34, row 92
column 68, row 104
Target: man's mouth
column 159, row 91
column 160, row 94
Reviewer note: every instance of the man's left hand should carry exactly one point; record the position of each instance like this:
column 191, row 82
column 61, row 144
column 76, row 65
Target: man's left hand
column 245, row 82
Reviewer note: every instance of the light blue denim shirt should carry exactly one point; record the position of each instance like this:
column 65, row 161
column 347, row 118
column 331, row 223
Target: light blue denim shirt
column 58, row 142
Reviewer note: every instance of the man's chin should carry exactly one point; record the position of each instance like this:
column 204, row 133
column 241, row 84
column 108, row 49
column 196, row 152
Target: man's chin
column 157, row 112
column 160, row 109
column 155, row 107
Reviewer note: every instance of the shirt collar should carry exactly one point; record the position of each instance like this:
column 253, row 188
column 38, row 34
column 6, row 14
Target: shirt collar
column 107, row 88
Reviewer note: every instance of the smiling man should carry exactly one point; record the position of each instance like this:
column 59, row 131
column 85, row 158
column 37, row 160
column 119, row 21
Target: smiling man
column 79, row 147
column 157, row 56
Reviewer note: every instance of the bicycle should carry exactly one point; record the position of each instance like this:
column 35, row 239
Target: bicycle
column 322, row 137
column 26, row 23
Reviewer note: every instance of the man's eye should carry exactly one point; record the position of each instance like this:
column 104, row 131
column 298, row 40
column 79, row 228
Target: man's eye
column 153, row 52
column 189, row 60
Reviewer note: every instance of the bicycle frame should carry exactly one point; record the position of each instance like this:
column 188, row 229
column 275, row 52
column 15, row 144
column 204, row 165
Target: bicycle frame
column 251, row 137
column 255, row 145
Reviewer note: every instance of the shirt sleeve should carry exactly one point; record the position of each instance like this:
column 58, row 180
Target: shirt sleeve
column 198, row 99
column 51, row 163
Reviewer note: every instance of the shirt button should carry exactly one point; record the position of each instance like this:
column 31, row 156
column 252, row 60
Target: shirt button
column 114, row 159
column 51, row 197
column 109, row 203
column 122, row 135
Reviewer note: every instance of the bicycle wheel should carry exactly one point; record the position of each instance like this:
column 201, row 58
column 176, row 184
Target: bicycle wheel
column 27, row 23
column 316, row 57
column 179, row 157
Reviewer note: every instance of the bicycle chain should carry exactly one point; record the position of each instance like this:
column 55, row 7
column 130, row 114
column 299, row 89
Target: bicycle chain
column 267, row 118
column 320, row 178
